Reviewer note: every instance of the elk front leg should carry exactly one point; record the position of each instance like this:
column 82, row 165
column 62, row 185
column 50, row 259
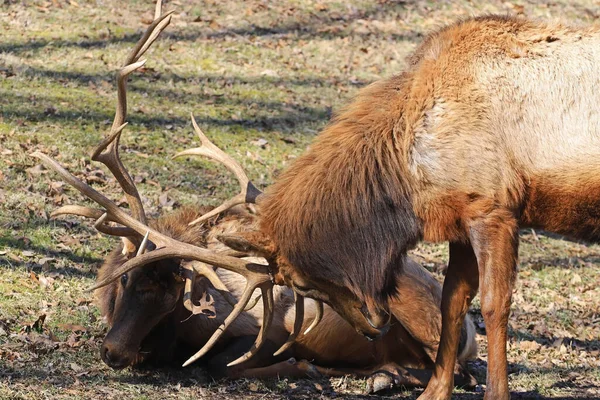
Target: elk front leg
column 495, row 242
column 383, row 377
column 460, row 286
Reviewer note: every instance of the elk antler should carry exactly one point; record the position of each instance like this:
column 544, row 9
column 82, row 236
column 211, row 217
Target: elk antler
column 135, row 225
column 248, row 192
column 257, row 276
column 107, row 151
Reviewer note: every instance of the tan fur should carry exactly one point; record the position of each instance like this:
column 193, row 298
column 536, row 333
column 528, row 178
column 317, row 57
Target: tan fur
column 494, row 125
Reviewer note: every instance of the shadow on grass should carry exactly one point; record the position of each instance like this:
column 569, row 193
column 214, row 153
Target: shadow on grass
column 284, row 117
column 587, row 345
column 197, row 378
column 309, row 26
column 20, row 244
column 199, row 80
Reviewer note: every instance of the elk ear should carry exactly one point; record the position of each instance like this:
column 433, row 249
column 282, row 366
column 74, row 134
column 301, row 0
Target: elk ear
column 129, row 247
column 250, row 242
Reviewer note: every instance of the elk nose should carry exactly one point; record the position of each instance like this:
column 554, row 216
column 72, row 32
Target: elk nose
column 111, row 357
column 378, row 319
column 381, row 332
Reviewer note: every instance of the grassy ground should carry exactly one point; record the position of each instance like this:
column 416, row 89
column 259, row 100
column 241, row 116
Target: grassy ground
column 261, row 78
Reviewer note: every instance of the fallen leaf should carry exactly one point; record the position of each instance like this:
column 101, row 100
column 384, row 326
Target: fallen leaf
column 72, row 328
column 165, row 201
column 529, row 345
column 36, row 170
column 260, row 142
column 76, row 367
column 206, row 306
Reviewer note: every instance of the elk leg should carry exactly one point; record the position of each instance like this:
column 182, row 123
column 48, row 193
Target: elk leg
column 380, row 378
column 460, row 286
column 217, row 365
column 417, row 296
column 495, row 241
column 289, row 368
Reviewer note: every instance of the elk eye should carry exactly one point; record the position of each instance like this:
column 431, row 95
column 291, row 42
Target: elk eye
column 301, row 288
column 124, row 279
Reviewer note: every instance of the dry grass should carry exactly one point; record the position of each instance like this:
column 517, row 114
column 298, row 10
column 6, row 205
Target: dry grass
column 248, row 70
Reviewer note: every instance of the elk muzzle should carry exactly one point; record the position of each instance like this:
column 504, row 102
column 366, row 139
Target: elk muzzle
column 118, row 354
column 378, row 319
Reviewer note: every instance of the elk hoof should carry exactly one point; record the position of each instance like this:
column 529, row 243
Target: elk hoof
column 380, row 381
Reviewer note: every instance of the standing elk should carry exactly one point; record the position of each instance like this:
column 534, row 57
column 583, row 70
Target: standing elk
column 494, row 126
column 148, row 321
column 148, row 309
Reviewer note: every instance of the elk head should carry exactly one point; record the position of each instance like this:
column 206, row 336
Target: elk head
column 369, row 318
column 137, row 307
column 146, row 245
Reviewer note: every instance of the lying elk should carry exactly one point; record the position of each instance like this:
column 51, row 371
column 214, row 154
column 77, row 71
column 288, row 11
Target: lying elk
column 149, row 308
column 148, row 320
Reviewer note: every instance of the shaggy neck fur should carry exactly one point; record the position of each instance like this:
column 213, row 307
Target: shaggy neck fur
column 343, row 210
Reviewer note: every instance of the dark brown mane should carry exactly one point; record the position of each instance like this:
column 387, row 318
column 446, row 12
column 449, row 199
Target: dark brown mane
column 348, row 187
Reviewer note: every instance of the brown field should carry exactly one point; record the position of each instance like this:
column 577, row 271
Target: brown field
column 262, row 77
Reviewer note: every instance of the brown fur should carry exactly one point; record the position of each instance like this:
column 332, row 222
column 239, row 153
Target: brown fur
column 333, row 346
column 493, row 126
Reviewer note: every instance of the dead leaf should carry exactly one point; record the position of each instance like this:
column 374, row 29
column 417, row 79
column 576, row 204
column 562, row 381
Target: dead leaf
column 72, row 328
column 69, row 240
column 206, row 306
column 165, row 201
column 147, row 19
column 37, row 326
column 36, row 170
column 529, row 345
column 262, row 143
column 45, row 262
column 56, row 188
column 76, row 367
column 82, row 301
column 46, row 281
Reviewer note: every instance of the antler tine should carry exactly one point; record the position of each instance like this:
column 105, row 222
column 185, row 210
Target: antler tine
column 81, row 211
column 108, row 150
column 253, row 283
column 268, row 311
column 167, row 247
column 318, row 317
column 298, row 320
column 158, row 9
column 248, row 192
column 205, row 270
column 100, row 216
